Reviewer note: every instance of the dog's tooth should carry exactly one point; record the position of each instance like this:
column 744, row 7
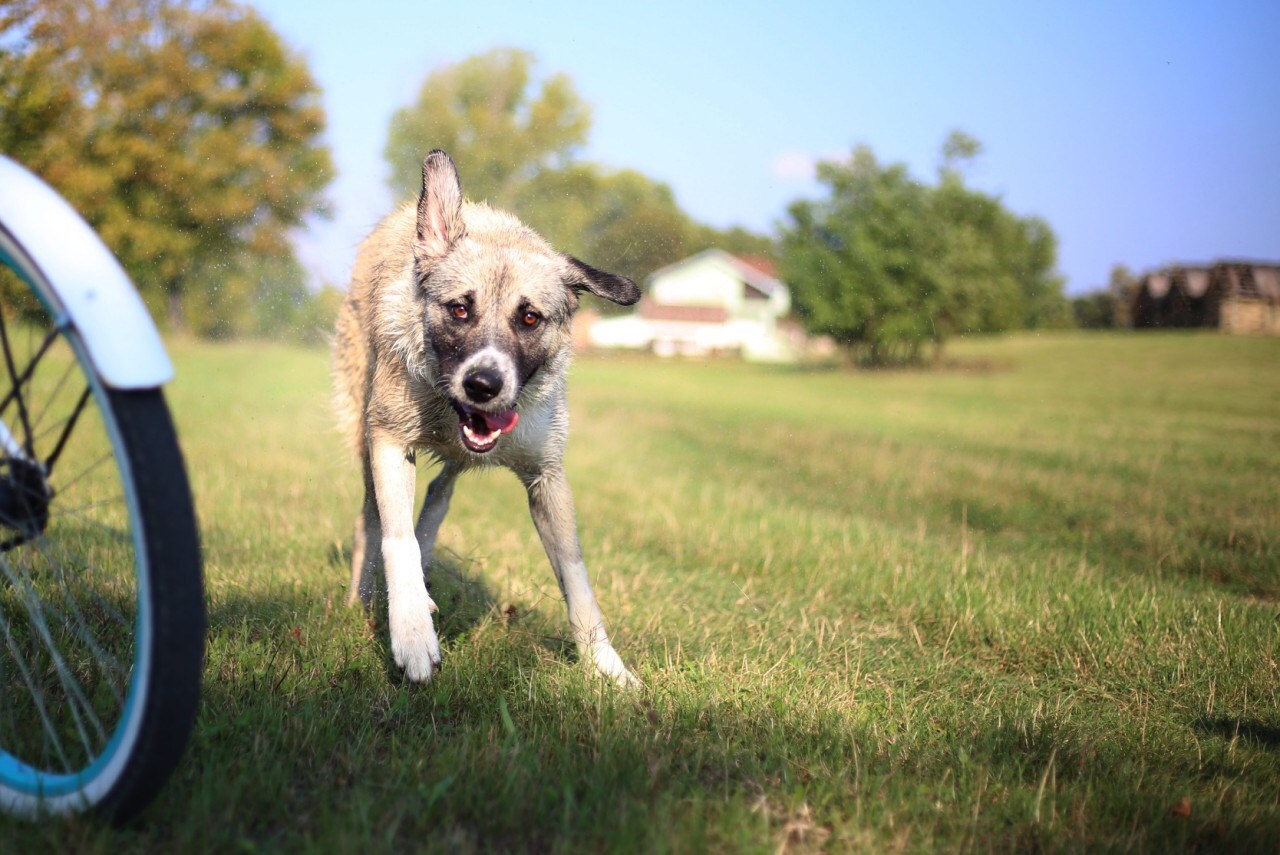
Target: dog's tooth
column 482, row 441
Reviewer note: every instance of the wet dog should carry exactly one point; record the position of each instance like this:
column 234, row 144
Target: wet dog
column 454, row 342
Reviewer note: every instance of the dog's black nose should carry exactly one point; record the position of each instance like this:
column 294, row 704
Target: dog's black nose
column 482, row 384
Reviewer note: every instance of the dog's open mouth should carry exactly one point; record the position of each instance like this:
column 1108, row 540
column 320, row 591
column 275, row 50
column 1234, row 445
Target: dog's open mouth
column 481, row 431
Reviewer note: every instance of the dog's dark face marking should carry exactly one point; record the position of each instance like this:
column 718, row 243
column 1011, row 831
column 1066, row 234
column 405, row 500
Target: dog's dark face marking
column 491, row 328
column 489, row 339
column 464, row 329
column 498, row 303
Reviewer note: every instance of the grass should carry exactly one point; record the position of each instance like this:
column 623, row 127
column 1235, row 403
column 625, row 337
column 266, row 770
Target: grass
column 1028, row 603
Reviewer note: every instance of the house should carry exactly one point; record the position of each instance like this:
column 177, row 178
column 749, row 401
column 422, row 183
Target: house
column 710, row 303
column 1233, row 296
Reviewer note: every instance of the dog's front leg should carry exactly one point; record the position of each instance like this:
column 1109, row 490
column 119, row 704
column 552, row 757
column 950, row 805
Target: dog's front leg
column 551, row 505
column 414, row 644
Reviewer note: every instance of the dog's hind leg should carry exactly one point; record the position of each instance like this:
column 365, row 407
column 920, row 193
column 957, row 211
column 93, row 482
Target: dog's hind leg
column 551, row 505
column 366, row 545
column 434, row 509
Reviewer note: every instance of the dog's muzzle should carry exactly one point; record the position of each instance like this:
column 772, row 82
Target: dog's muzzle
column 485, row 377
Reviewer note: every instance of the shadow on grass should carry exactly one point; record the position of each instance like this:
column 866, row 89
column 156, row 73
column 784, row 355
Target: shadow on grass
column 1265, row 734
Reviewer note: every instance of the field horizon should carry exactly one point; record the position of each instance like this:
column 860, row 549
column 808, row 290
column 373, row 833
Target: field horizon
column 1027, row 602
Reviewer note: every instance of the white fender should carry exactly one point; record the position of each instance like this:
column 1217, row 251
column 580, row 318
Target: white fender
column 76, row 271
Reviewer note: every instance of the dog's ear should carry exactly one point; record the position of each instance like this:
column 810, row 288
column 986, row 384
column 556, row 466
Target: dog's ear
column 439, row 207
column 610, row 286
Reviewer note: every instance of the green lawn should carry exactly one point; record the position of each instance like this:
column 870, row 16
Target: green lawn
column 1029, row 602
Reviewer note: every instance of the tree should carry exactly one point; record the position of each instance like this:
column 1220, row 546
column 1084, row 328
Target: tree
column 1000, row 268
column 734, row 240
column 1122, row 285
column 1095, row 310
column 185, row 132
column 862, row 263
column 621, row 220
column 484, row 112
column 889, row 265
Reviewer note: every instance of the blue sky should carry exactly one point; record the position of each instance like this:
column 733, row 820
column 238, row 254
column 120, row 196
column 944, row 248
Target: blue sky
column 1144, row 132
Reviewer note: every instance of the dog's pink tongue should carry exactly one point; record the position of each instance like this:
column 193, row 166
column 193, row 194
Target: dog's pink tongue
column 505, row 422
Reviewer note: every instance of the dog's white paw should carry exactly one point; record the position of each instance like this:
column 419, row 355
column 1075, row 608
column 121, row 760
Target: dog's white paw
column 414, row 644
column 608, row 664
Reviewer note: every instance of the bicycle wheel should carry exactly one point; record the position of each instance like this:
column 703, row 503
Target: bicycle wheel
column 102, row 615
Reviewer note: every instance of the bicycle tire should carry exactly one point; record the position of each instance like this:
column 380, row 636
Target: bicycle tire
column 102, row 614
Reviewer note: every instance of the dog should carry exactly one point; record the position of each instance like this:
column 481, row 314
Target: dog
column 454, row 341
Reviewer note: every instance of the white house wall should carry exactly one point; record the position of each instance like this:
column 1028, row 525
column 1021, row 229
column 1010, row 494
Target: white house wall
column 627, row 331
column 780, row 301
column 705, row 283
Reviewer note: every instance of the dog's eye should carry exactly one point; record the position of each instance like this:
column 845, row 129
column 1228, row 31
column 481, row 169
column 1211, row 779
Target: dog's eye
column 530, row 319
column 459, row 311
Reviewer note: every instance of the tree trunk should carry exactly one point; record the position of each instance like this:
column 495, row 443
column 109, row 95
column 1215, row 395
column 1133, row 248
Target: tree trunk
column 177, row 321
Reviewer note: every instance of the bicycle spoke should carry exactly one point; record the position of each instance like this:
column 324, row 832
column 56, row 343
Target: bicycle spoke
column 79, row 514
column 64, row 488
column 13, row 376
column 67, row 373
column 106, row 661
column 20, row 582
column 77, row 702
column 37, row 697
column 73, row 697
column 19, row 382
column 66, row 432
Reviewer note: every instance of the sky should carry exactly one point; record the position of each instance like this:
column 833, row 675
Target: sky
column 1144, row 132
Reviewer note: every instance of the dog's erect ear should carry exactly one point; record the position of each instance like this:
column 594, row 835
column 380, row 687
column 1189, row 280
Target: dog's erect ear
column 610, row 286
column 439, row 207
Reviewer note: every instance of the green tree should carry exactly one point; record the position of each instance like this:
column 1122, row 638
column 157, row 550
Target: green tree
column 889, row 265
column 862, row 262
column 1123, row 286
column 734, row 240
column 486, row 113
column 262, row 296
column 1095, row 310
column 1036, row 266
column 1000, row 269
column 185, row 132
column 980, row 240
column 620, row 220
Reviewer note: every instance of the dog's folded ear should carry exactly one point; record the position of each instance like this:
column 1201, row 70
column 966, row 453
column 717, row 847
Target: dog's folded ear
column 610, row 286
column 439, row 207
